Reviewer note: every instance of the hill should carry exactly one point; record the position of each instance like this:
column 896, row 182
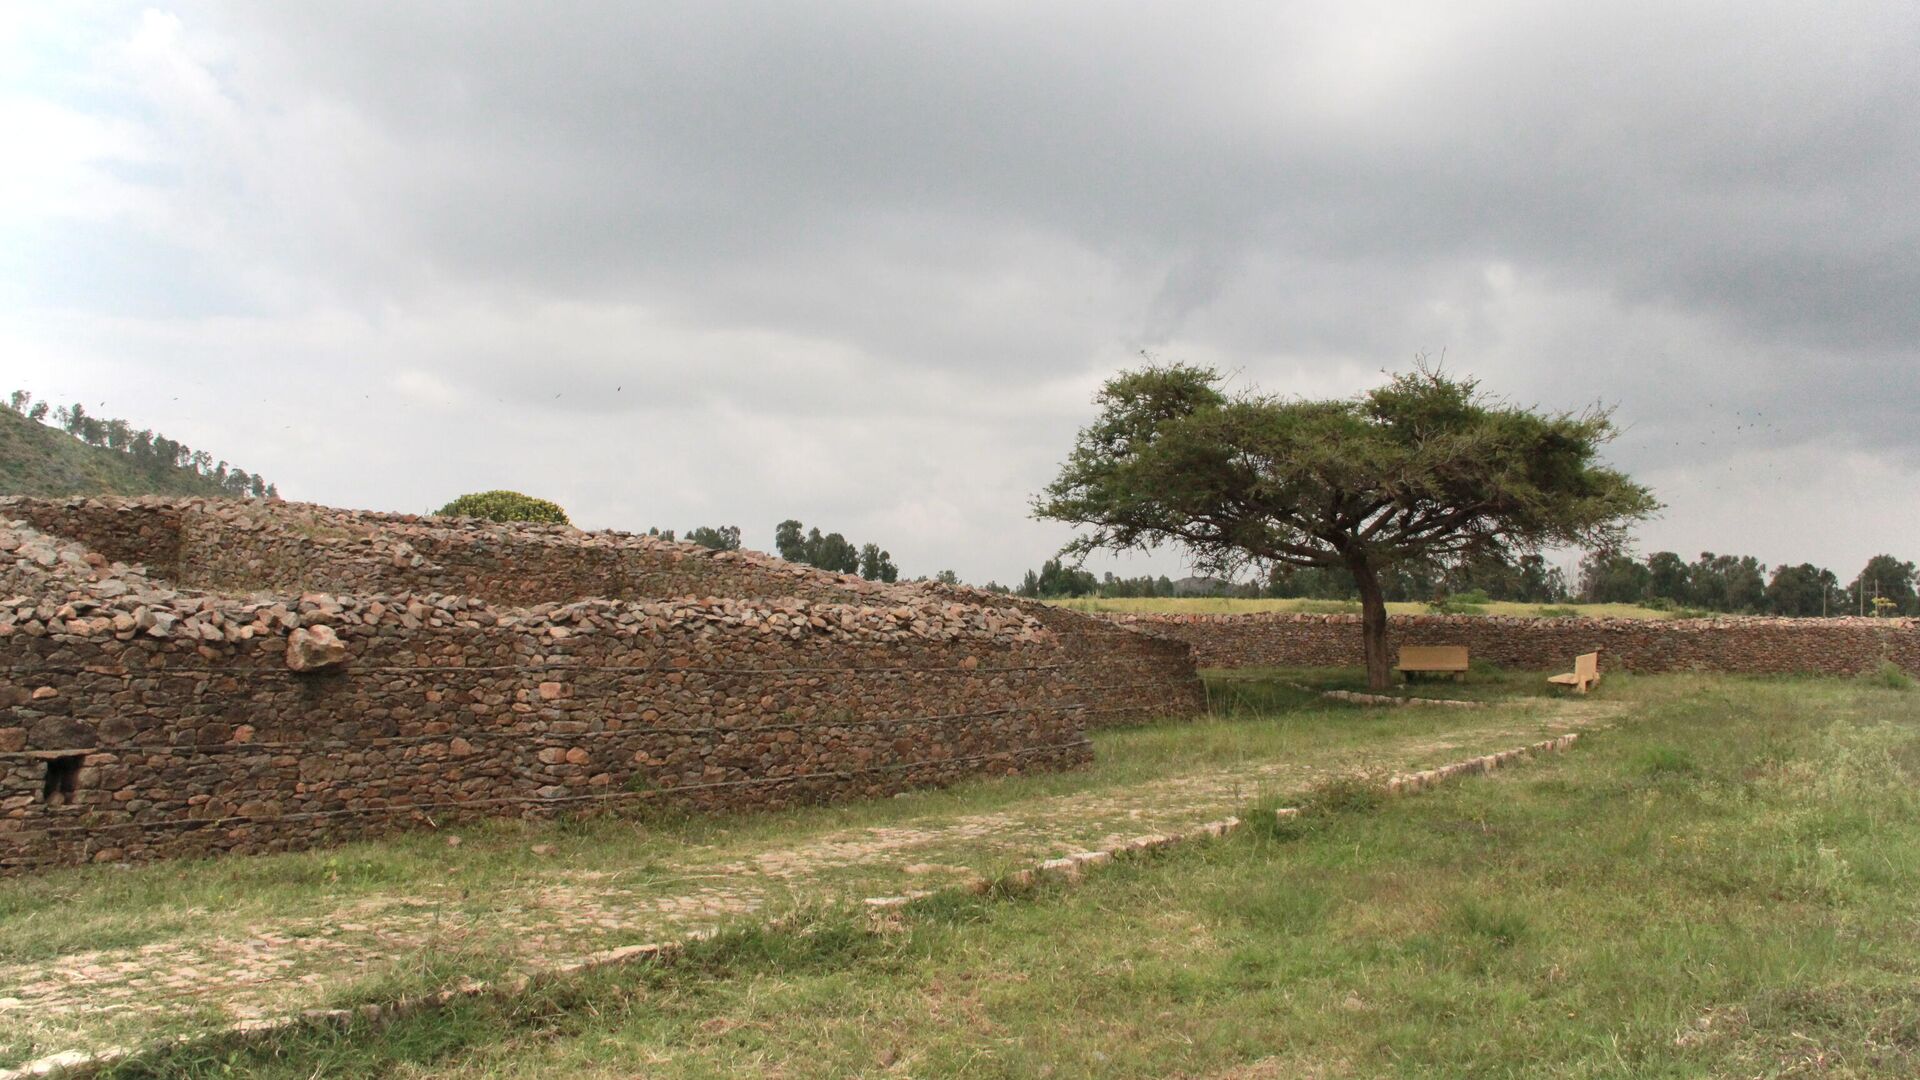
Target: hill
column 39, row 460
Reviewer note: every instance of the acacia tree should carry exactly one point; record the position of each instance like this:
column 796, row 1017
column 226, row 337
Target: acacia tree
column 1423, row 469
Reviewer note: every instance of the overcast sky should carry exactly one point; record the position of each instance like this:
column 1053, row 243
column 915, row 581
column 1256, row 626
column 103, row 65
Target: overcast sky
column 864, row 264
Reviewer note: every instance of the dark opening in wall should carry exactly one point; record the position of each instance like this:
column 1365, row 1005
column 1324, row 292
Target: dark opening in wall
column 63, row 775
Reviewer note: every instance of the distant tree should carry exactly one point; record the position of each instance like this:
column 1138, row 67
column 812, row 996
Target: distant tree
column 789, row 541
column 19, row 401
column 1727, row 583
column 1804, row 590
column 38, row 413
column 723, row 538
column 1887, row 577
column 1668, row 577
column 877, row 565
column 504, row 506
column 947, row 577
column 831, row 551
column 661, row 534
column 1029, row 585
column 1056, row 579
column 834, row 552
column 1611, row 577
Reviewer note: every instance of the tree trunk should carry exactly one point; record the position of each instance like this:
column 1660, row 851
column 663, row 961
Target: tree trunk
column 1373, row 623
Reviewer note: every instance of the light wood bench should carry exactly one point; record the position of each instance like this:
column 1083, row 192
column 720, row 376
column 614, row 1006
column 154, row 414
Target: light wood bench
column 1432, row 659
column 1584, row 676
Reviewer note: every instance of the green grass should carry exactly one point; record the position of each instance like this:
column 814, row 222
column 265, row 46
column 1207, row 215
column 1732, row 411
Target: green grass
column 1727, row 887
column 369, row 919
column 1219, row 605
column 61, row 911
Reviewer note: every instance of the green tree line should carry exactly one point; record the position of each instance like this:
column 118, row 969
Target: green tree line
column 1528, row 579
column 832, row 551
column 1743, row 585
column 145, row 446
column 1721, row 584
column 713, row 537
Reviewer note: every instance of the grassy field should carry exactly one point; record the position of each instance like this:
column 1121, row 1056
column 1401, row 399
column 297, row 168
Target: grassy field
column 1729, row 885
column 1219, row 605
column 95, row 956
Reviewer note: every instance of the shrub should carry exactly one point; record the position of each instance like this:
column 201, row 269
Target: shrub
column 1343, row 795
column 1558, row 613
column 1658, row 761
column 1888, row 675
column 505, row 506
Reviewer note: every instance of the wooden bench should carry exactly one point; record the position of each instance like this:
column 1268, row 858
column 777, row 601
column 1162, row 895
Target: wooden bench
column 1432, row 659
column 1584, row 676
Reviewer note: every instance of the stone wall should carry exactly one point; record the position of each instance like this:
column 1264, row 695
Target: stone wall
column 251, row 546
column 1736, row 645
column 167, row 702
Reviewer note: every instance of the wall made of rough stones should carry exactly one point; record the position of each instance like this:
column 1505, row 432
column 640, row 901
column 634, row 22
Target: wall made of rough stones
column 253, row 546
column 174, row 691
column 1132, row 674
column 1740, row 645
column 127, row 531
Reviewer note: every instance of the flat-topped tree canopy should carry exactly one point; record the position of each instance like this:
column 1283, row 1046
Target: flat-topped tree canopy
column 1426, row 467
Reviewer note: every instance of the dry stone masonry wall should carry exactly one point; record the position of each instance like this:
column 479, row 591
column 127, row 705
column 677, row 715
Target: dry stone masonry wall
column 1760, row 646
column 277, row 676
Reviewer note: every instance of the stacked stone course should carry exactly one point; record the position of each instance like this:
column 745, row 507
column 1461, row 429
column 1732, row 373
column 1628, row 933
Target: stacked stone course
column 1737, row 645
column 642, row 675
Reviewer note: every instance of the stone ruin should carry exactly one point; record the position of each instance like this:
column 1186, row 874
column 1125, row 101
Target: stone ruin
column 195, row 676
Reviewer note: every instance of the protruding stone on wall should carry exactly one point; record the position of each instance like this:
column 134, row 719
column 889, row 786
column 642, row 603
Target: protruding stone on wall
column 310, row 648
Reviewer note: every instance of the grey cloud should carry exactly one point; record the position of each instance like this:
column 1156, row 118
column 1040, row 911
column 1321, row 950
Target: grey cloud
column 859, row 222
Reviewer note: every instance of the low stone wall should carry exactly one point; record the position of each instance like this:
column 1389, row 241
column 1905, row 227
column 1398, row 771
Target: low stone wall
column 1761, row 646
column 1128, row 675
column 249, row 546
column 186, row 731
column 155, row 714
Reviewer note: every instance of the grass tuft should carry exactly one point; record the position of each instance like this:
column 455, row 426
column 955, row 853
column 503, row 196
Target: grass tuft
column 1501, row 925
column 1343, row 795
column 1665, row 761
column 1888, row 676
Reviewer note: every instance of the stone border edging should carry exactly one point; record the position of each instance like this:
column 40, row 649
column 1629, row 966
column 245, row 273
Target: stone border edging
column 1358, row 698
column 1066, row 869
column 1394, row 699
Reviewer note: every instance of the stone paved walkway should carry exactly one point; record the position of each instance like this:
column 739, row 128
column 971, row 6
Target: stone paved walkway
column 221, row 969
